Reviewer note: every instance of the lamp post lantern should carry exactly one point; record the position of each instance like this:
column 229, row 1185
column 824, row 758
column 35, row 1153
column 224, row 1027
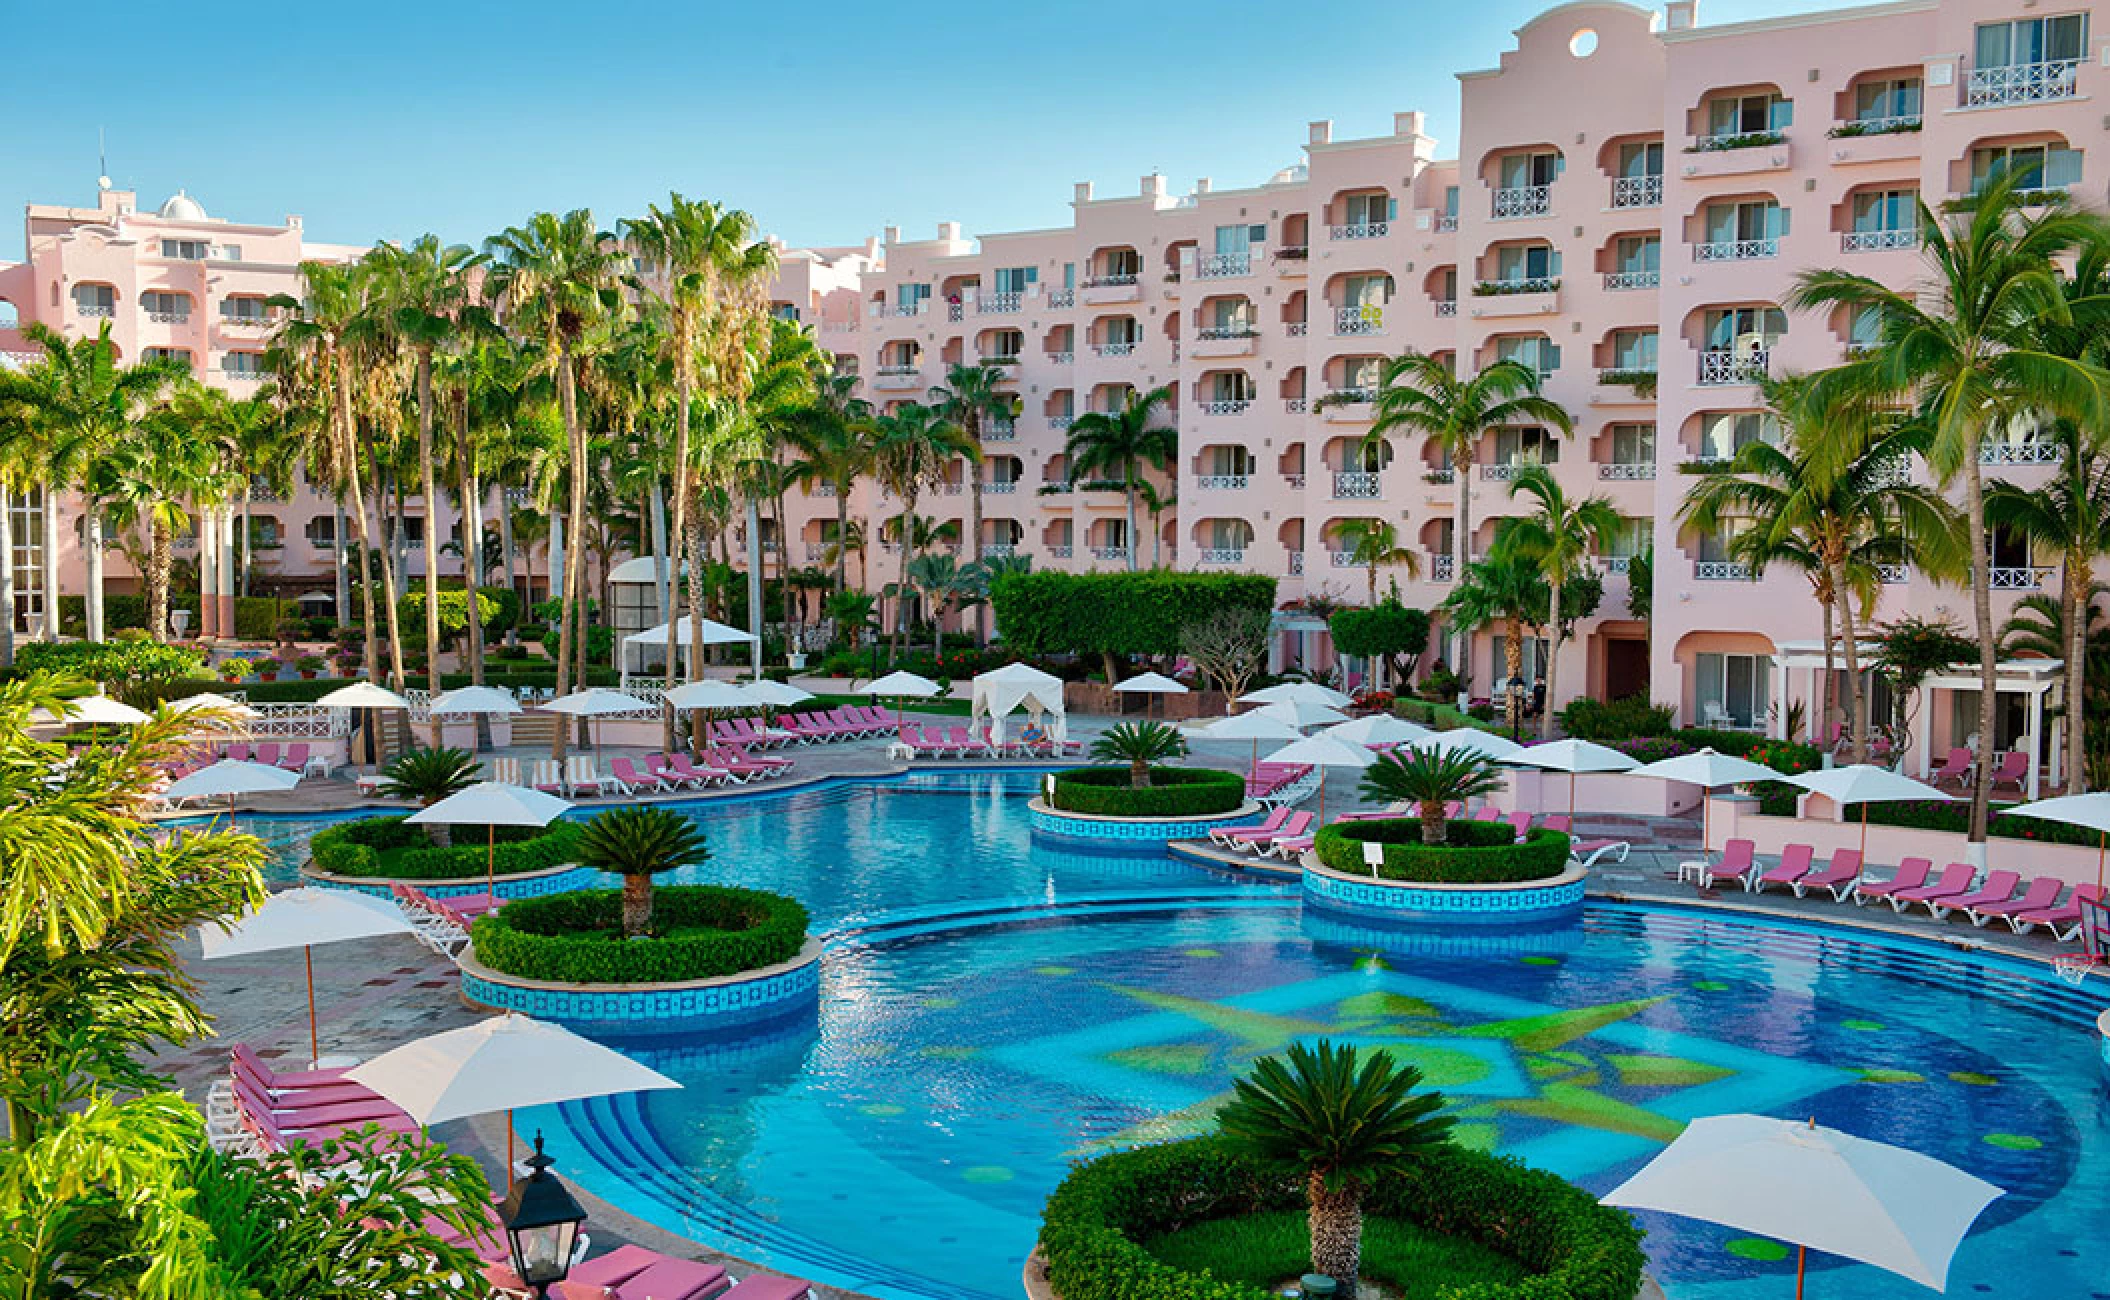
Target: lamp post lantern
column 542, row 1222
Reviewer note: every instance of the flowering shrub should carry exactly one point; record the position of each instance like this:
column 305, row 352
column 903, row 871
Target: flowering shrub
column 1374, row 701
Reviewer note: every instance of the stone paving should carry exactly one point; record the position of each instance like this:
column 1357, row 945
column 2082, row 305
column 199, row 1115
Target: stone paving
column 377, row 994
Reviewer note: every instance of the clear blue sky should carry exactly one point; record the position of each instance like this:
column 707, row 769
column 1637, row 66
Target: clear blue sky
column 827, row 120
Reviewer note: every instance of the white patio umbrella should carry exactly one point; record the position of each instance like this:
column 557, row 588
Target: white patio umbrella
column 596, row 702
column 1472, row 740
column 492, row 804
column 899, row 685
column 1377, row 729
column 1710, row 771
column 705, row 695
column 1303, row 713
column 1864, row 784
column 683, row 637
column 233, row 777
column 95, row 710
column 1256, row 726
column 1150, row 684
column 1323, row 752
column 774, row 694
column 210, row 700
column 1817, row 1187
column 470, row 700
column 507, row 1063
column 365, row 696
column 1305, row 692
column 1574, row 757
column 2089, row 811
column 302, row 918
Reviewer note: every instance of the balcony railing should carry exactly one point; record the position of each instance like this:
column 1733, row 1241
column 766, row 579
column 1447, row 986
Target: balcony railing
column 1627, row 471
column 901, row 308
column 1723, row 140
column 2031, row 452
column 2017, row 579
column 1226, row 406
column 1352, row 394
column 998, row 304
column 1445, row 223
column 1735, row 250
column 998, row 550
column 1296, row 329
column 946, row 489
column 1110, row 552
column 1869, row 241
column 1504, row 472
column 1722, row 367
column 1294, row 482
column 1222, row 266
column 1000, row 487
column 1721, row 571
column 1637, row 191
column 2021, row 83
column 1220, row 555
column 1056, row 486
column 1062, row 297
column 1000, row 431
column 1446, row 307
column 1524, row 201
column 1618, row 280
column 1360, row 230
column 1235, row 330
column 1355, row 485
column 1061, row 551
column 94, row 312
column 1894, row 575
column 820, row 489
column 1221, row 482
column 1296, row 564
column 1296, row 405
column 1442, row 568
column 1367, row 318
column 1114, row 280
column 240, row 376
column 1061, row 421
column 1516, row 284
column 233, row 322
column 1616, row 563
column 1113, row 349
column 1877, row 126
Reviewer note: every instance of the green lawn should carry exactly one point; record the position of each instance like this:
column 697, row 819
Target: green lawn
column 1265, row 1250
column 958, row 708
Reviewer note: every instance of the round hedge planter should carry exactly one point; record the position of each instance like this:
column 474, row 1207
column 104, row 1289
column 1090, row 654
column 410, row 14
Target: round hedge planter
column 737, row 958
column 1477, row 853
column 1172, row 792
column 1557, row 901
column 1113, row 832
column 1091, row 1232
column 352, row 850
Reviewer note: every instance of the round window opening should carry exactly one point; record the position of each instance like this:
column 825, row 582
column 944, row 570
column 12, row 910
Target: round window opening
column 1583, row 44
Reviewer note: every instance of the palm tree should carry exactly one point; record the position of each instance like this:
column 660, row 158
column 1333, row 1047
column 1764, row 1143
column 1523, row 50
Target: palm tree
column 1338, row 1118
column 2069, row 515
column 910, row 451
column 1508, row 587
column 166, row 464
column 77, row 403
column 1418, row 393
column 1119, row 445
column 834, row 442
column 972, row 396
column 638, row 844
column 1139, row 744
column 1374, row 543
column 1966, row 347
column 555, row 279
column 1431, row 779
column 945, row 584
column 1833, row 496
column 1559, row 533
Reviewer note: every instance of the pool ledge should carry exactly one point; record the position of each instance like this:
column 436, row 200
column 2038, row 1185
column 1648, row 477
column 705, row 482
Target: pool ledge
column 1519, row 902
column 1062, row 824
column 520, row 884
column 723, row 1002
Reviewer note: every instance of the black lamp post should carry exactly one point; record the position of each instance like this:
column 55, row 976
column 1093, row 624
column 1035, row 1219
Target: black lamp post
column 542, row 1223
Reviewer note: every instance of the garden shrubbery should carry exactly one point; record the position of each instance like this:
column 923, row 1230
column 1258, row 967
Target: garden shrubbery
column 698, row 932
column 1475, row 853
column 1112, row 615
column 1173, row 792
column 391, row 847
column 1094, row 1229
column 1609, row 720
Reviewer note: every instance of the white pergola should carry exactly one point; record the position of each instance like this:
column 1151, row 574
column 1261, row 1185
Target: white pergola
column 2036, row 679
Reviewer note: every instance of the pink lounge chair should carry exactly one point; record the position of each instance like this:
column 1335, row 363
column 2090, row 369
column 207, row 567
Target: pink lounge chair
column 1956, row 767
column 1288, row 848
column 1912, row 874
column 1954, row 882
column 929, row 742
column 267, row 753
column 245, row 1056
column 1273, row 821
column 2011, row 769
column 295, row 759
column 774, row 766
column 290, row 1115
column 768, row 1286
column 629, row 780
column 1488, row 813
column 1739, row 863
column 1520, row 822
column 969, row 743
column 667, row 1279
column 722, row 730
column 1794, row 864
column 1837, row 878
column 2066, row 914
column 1999, row 886
column 258, row 1080
column 701, row 775
column 1297, row 824
column 740, row 768
column 237, row 750
column 2042, row 893
column 1561, row 822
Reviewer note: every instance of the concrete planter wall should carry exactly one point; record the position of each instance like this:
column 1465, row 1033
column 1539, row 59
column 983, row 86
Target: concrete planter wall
column 1132, row 830
column 781, row 993
column 525, row 884
column 1553, row 901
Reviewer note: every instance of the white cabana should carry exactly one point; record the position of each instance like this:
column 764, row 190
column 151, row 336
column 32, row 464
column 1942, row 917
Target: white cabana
column 630, row 654
column 1006, row 690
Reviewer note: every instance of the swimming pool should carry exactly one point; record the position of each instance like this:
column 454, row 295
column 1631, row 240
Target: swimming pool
column 994, row 1008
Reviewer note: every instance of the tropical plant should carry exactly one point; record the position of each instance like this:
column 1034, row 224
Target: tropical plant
column 1373, row 543
column 1908, row 652
column 1387, row 632
column 1966, row 346
column 1508, row 587
column 910, row 450
column 971, row 398
column 1228, row 646
column 1420, row 394
column 1339, row 1118
column 1120, row 445
column 428, row 775
column 1431, row 779
column 945, row 584
column 1559, row 533
column 638, row 844
column 1139, row 744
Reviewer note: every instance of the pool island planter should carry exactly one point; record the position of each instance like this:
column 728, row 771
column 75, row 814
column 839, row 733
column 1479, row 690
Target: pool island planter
column 1099, row 828
column 767, row 995
column 1552, row 901
column 521, row 884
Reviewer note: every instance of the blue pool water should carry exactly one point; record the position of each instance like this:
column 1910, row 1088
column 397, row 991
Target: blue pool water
column 994, row 1008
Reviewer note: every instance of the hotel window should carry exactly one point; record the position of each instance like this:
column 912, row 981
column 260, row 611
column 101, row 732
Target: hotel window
column 1639, row 254
column 1891, row 99
column 1006, row 343
column 1532, row 446
column 244, row 308
column 1233, row 386
column 167, row 354
column 911, row 297
column 1633, row 444
column 187, row 250
column 246, row 365
column 1069, row 275
column 1361, row 373
column 1723, row 434
column 2026, row 41
column 1123, row 261
column 1366, row 291
column 1527, row 262
column 1630, row 538
column 1367, row 209
column 1752, row 220
column 2034, row 166
column 784, row 311
column 322, row 532
column 171, row 308
column 1749, row 115
column 1534, row 350
column 1526, row 170
column 1730, row 688
column 1641, row 159
column 1865, row 331
column 95, row 299
column 1230, row 462
column 1231, row 316
column 1533, row 663
column 1450, row 202
column 1886, row 210
column 1745, row 330
column 1118, row 331
column 1634, row 350
column 1014, row 279
column 1239, row 239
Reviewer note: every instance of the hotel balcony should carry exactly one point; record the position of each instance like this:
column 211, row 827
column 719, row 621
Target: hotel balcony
column 1357, row 485
column 998, row 304
column 1870, row 241
column 1222, row 482
column 897, row 377
column 1360, row 321
column 1351, row 405
column 1225, row 341
column 1523, row 201
column 1738, row 154
column 1220, row 556
column 1291, row 260
column 1536, row 296
column 1637, row 191
column 1721, row 367
column 1102, row 290
column 2021, row 83
column 1360, row 230
column 1224, row 407
column 1620, row 281
column 1736, row 250
column 1223, row 266
column 1720, row 571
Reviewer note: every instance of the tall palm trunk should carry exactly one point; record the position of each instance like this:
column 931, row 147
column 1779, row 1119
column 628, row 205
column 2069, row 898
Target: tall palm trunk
column 1462, row 538
column 1135, row 547
column 908, row 531
column 348, row 456
column 7, row 582
column 1336, row 1219
column 574, row 557
column 428, row 485
column 389, row 592
column 974, row 522
column 1988, row 650
column 842, row 530
column 247, row 529
column 1553, row 664
column 473, row 561
column 637, row 905
column 92, row 546
column 1513, row 663
column 506, row 549
column 1856, row 690
column 158, row 563
column 1824, row 693
column 692, row 525
column 2078, row 581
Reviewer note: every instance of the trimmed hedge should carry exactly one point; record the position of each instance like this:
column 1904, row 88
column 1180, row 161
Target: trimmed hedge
column 1173, row 792
column 701, row 932
column 1475, row 853
column 354, row 848
column 1092, row 1229
column 1934, row 815
column 1141, row 613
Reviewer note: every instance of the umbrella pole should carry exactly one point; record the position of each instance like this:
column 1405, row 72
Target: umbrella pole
column 1571, row 801
column 2102, row 846
column 1802, row 1259
column 509, row 1152
column 307, row 954
column 1864, row 832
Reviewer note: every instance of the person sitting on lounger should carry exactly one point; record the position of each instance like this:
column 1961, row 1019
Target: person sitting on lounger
column 1033, row 733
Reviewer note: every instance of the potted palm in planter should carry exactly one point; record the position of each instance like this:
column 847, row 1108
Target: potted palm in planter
column 427, row 776
column 1141, row 745
column 638, row 844
column 309, row 665
column 1431, row 779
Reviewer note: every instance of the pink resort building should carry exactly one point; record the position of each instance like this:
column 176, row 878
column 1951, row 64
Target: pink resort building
column 1629, row 202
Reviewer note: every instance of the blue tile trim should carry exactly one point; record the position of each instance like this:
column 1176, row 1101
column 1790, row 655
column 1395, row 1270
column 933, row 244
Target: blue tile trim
column 1507, row 905
column 508, row 887
column 731, row 1004
column 1045, row 821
